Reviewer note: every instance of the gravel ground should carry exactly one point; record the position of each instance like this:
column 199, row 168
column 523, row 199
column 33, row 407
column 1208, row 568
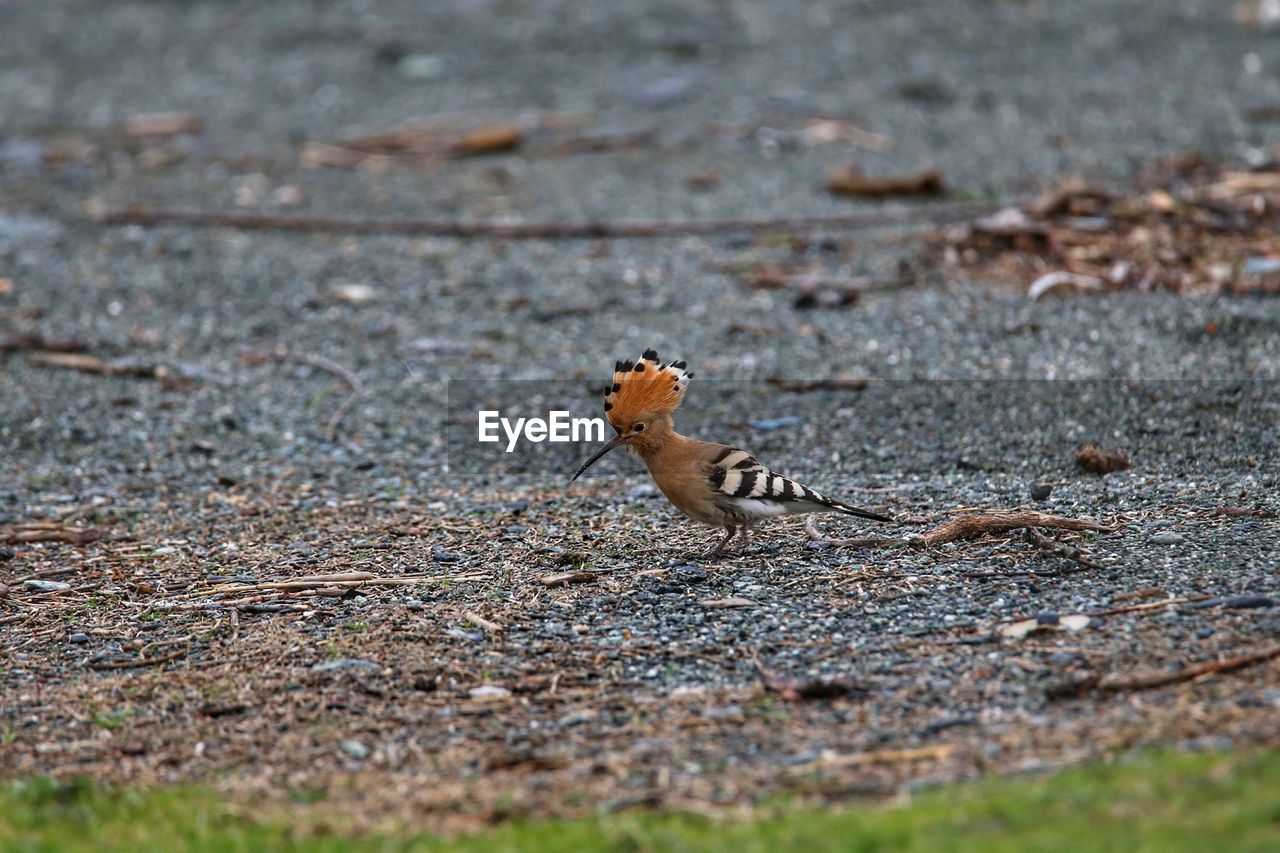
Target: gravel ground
column 455, row 687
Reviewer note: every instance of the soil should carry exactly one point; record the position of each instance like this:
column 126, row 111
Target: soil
column 246, row 407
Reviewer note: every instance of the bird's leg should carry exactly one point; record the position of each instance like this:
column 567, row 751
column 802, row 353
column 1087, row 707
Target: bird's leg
column 744, row 535
column 719, row 549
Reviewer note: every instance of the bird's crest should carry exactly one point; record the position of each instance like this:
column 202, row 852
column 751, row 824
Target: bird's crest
column 644, row 387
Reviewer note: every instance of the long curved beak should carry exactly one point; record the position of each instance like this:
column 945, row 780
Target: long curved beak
column 608, row 445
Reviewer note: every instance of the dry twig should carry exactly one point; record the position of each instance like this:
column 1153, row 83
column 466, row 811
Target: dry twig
column 140, row 662
column 150, row 217
column 1152, row 678
column 40, row 532
column 967, row 527
column 1001, row 521
column 888, row 756
column 568, row 578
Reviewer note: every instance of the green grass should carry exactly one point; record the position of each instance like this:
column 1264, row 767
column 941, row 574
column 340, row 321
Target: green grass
column 1160, row 802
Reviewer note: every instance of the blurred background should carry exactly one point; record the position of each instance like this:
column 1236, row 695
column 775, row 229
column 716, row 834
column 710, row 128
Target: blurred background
column 648, row 108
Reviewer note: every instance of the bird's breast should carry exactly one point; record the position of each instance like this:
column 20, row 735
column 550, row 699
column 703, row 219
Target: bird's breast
column 687, row 488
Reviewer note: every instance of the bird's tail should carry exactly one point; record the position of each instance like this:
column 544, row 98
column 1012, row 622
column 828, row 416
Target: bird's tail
column 858, row 511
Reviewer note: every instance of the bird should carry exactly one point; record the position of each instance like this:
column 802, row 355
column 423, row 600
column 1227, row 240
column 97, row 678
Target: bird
column 715, row 484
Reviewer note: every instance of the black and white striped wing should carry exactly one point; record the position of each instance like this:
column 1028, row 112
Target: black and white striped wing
column 741, row 482
column 736, row 474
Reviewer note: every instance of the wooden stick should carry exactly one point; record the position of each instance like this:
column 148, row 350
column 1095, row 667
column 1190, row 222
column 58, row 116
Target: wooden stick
column 1151, row 679
column 968, row 526
column 149, row 217
column 51, row 533
column 1001, row 521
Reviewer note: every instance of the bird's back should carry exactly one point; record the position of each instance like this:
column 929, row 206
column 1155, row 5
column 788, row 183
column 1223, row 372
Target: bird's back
column 724, row 485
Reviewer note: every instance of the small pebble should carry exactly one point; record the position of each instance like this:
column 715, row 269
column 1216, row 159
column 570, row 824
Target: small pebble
column 421, row 66
column 354, row 748
column 78, row 639
column 727, row 712
column 1047, row 618
column 1041, row 491
column 1167, row 537
column 46, row 586
column 489, row 691
column 1204, row 633
column 342, row 664
column 7, row 554
column 690, row 573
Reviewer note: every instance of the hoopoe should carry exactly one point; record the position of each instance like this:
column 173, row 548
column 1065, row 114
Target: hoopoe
column 713, row 483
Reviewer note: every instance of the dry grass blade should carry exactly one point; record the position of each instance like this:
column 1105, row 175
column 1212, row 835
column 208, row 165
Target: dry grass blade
column 481, row 622
column 346, row 579
column 723, row 603
column 887, row 756
column 27, row 533
column 140, row 662
column 91, row 364
column 569, row 578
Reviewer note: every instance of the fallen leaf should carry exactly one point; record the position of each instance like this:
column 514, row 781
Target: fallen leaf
column 354, row 294
column 851, row 180
column 1094, row 459
column 703, row 180
column 722, row 603
column 163, row 124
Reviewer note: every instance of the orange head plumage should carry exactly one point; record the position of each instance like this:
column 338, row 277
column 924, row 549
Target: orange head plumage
column 644, row 388
column 641, row 397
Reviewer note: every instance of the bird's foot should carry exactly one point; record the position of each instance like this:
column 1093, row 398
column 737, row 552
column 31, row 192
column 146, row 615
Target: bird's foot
column 718, row 550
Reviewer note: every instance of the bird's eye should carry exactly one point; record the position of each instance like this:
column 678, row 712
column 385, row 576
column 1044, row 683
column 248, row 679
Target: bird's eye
column 638, row 428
